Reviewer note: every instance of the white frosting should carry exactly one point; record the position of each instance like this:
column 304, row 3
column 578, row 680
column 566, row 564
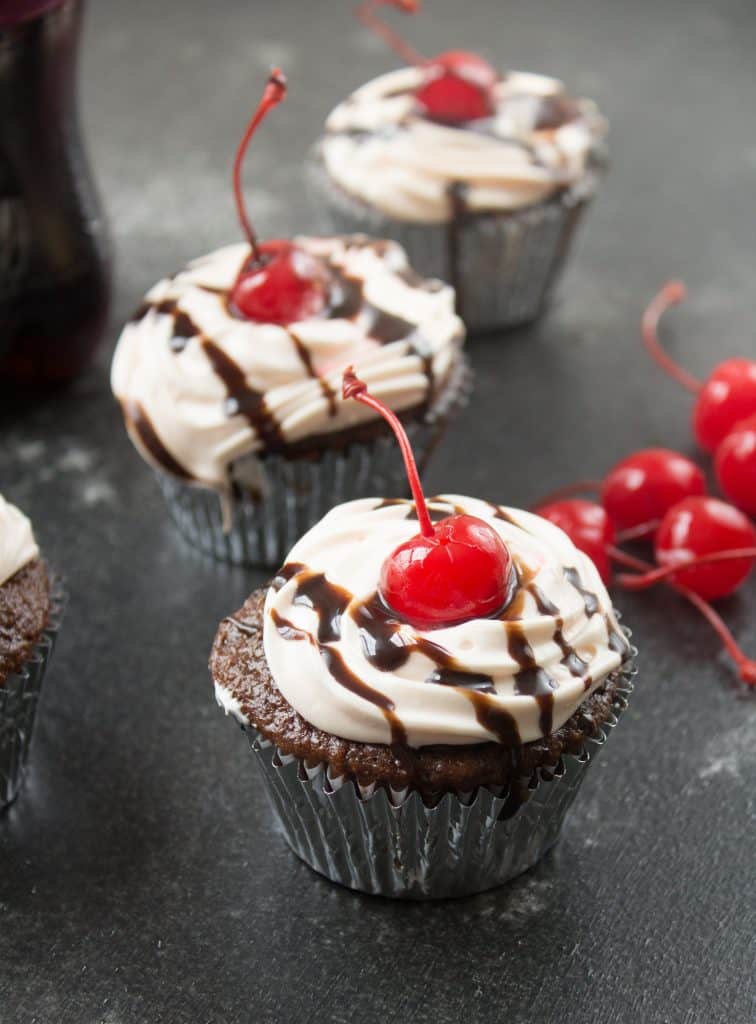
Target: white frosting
column 17, row 544
column 184, row 399
column 379, row 148
column 349, row 546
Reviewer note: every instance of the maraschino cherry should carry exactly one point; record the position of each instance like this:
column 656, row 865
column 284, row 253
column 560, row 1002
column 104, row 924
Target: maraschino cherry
column 588, row 527
column 458, row 85
column 451, row 571
column 645, row 485
column 280, row 283
column 725, row 398
column 735, row 465
column 703, row 526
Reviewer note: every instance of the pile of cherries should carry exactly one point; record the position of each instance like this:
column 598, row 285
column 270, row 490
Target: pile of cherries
column 703, row 547
column 457, row 85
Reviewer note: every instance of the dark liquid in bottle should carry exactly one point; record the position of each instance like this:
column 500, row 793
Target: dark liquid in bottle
column 54, row 264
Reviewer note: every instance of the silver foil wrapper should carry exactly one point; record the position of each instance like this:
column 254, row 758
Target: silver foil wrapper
column 505, row 265
column 19, row 698
column 392, row 844
column 277, row 498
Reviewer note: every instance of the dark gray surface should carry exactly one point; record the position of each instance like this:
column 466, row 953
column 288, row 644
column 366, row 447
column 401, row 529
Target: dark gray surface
column 140, row 877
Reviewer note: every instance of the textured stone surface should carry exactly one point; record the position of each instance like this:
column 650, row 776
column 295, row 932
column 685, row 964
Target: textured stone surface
column 140, row 880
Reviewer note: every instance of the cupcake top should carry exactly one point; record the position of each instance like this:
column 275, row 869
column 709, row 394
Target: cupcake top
column 352, row 668
column 201, row 386
column 382, row 148
column 17, row 544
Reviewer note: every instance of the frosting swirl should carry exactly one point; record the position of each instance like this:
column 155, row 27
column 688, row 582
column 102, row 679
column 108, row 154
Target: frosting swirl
column 380, row 148
column 17, row 544
column 201, row 387
column 345, row 663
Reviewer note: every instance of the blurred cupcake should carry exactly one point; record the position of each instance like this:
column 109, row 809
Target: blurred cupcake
column 229, row 375
column 30, row 611
column 425, row 688
column 482, row 177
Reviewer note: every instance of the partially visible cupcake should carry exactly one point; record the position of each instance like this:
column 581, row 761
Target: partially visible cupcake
column 425, row 688
column 229, row 380
column 29, row 618
column 482, row 177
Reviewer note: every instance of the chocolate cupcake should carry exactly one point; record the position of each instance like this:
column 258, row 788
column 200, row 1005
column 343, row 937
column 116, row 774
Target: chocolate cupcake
column 229, row 380
column 30, row 609
column 424, row 705
column 482, row 177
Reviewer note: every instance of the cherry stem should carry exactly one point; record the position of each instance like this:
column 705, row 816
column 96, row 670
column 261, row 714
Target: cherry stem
column 579, row 487
column 671, row 294
column 640, row 532
column 366, row 13
column 746, row 666
column 353, row 387
column 658, row 575
column 273, row 94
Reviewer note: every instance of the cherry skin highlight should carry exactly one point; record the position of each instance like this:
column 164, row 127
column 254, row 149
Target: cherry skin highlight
column 587, row 525
column 645, row 485
column 728, row 396
column 702, row 526
column 735, row 465
column 460, row 573
column 279, row 283
column 284, row 285
column 451, row 571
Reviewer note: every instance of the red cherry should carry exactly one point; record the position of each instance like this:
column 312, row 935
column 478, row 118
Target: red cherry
column 728, row 396
column 288, row 284
column 453, row 571
column 735, row 465
column 642, row 487
column 702, row 526
column 448, row 97
column 279, row 283
column 588, row 527
column 458, row 84
column 462, row 572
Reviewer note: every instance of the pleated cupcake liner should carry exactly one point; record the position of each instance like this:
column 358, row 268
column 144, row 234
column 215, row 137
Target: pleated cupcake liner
column 505, row 265
column 390, row 843
column 19, row 699
column 259, row 527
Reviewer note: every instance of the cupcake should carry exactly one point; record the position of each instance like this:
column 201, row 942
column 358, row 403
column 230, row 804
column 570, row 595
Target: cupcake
column 424, row 687
column 30, row 609
column 229, row 380
column 482, row 177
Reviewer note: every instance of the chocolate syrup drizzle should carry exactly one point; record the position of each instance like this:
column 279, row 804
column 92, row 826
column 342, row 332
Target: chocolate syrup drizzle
column 346, row 301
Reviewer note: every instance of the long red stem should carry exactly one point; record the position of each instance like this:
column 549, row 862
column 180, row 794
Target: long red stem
column 274, row 92
column 579, row 487
column 746, row 666
column 366, row 13
column 640, row 532
column 353, row 387
column 658, row 575
column 671, row 294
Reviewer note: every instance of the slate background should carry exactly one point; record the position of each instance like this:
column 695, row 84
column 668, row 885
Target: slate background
column 140, row 877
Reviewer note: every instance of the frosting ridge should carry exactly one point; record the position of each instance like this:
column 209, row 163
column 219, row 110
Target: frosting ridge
column 17, row 544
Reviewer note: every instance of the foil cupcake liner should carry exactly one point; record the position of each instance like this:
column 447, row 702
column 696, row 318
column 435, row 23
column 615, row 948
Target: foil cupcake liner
column 19, row 698
column 258, row 526
column 391, row 844
column 504, row 266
